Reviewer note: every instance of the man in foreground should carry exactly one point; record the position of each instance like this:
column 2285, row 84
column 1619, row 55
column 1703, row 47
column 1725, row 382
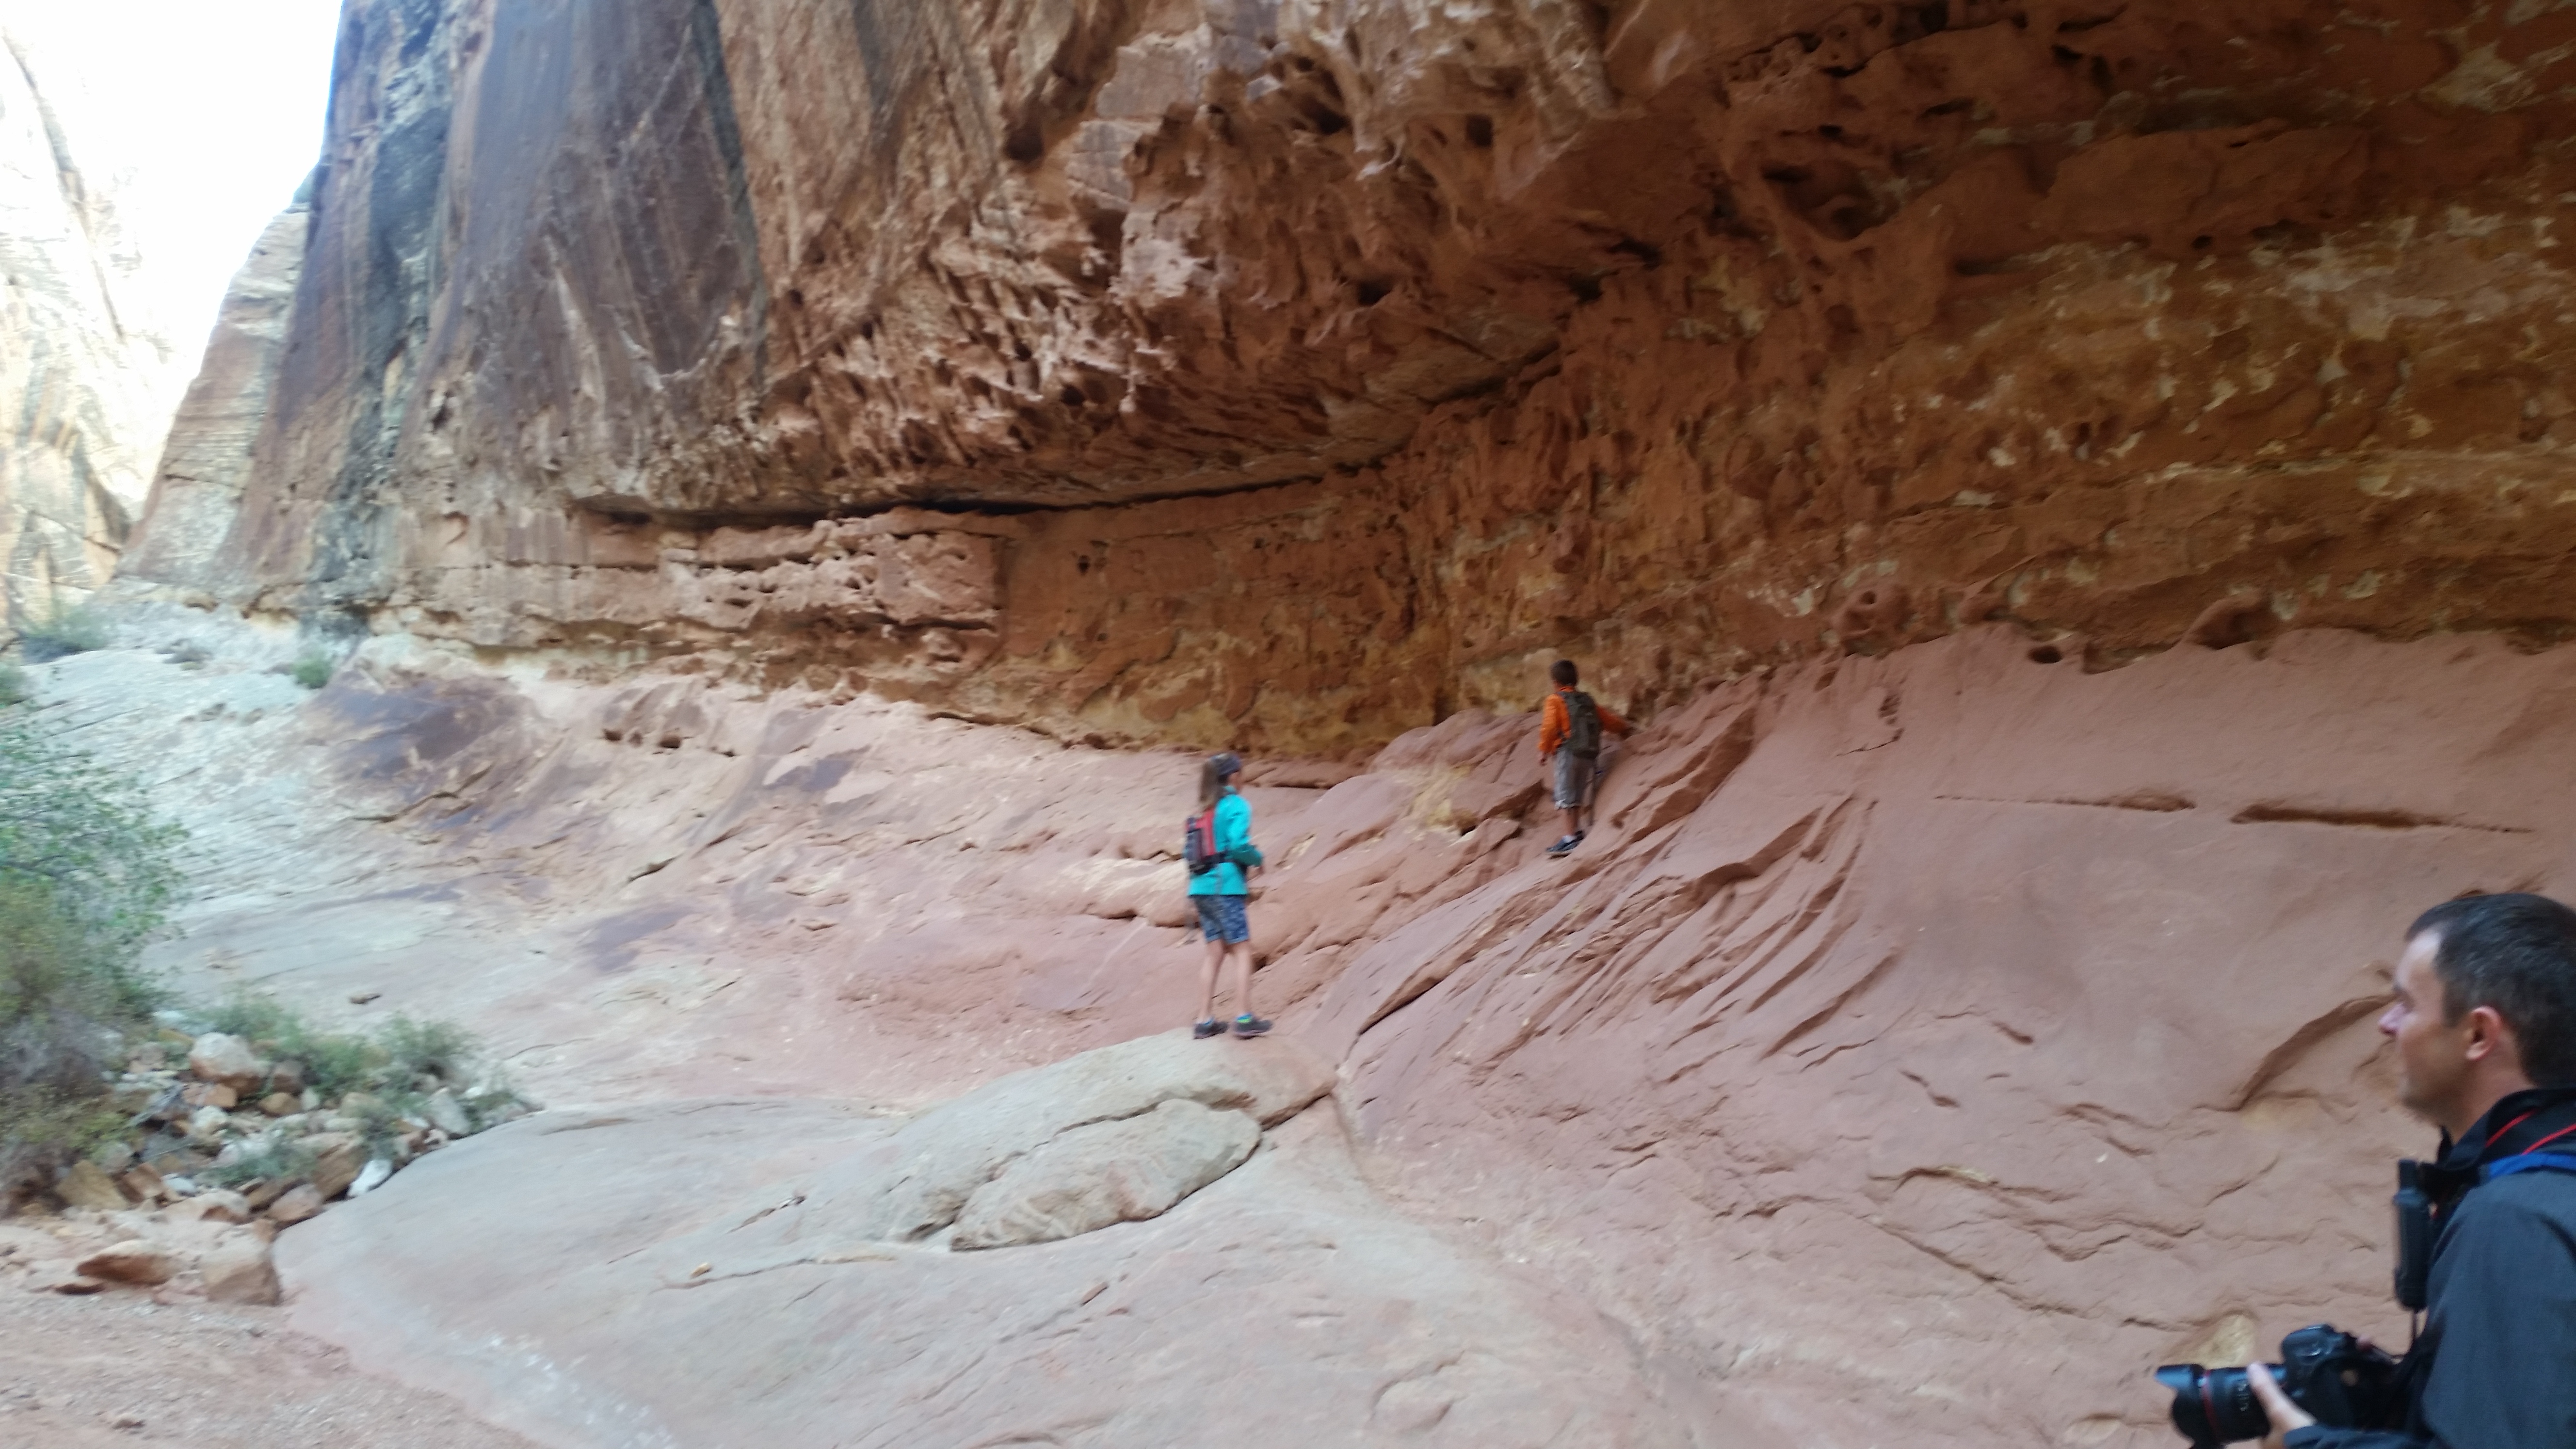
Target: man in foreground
column 2485, row 1029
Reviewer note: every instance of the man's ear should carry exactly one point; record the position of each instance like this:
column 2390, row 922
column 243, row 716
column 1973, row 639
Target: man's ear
column 2490, row 1039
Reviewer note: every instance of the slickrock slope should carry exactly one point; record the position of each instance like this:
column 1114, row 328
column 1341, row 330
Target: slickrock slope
column 1924, row 1047
column 87, row 377
column 1352, row 355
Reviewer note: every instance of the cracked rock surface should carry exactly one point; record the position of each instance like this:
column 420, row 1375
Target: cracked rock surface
column 1356, row 1323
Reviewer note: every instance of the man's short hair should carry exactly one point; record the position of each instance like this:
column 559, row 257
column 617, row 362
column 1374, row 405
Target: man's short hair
column 1562, row 671
column 2517, row 953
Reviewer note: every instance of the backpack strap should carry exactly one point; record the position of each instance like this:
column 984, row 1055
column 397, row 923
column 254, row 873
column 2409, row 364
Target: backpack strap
column 2527, row 1162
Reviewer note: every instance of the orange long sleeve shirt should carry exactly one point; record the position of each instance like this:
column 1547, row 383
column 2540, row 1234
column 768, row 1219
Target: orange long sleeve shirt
column 1554, row 722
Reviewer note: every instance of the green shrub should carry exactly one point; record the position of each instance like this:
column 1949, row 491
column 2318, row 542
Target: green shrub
column 416, row 1049
column 15, row 687
column 61, row 633
column 334, row 1064
column 253, row 1017
column 86, row 838
column 312, row 669
column 86, row 879
column 337, row 1063
column 264, row 1160
column 42, row 1129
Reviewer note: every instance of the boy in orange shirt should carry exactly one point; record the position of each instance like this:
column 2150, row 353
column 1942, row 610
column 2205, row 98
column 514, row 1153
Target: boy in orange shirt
column 1570, row 727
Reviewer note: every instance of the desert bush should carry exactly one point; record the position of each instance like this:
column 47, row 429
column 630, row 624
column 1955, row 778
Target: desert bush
column 42, row 1128
column 265, row 1160
column 416, row 1049
column 87, row 838
column 312, row 669
column 15, row 687
column 61, row 633
column 86, row 880
column 387, row 1065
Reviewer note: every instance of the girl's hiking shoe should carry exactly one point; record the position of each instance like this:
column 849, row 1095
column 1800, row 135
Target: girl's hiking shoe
column 1250, row 1025
column 1565, row 844
column 1208, row 1028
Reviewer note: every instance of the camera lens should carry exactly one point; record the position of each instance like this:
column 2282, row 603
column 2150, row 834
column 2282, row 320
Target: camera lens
column 2214, row 1406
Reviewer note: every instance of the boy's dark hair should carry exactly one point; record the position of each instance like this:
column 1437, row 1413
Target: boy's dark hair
column 2516, row 953
column 1562, row 671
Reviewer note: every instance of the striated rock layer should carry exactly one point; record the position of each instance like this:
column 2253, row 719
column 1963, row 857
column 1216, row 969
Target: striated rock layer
column 1294, row 373
column 1921, row 1049
column 86, row 378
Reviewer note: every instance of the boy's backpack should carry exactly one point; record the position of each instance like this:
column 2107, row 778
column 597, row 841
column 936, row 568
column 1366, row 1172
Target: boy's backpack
column 1198, row 843
column 1582, row 725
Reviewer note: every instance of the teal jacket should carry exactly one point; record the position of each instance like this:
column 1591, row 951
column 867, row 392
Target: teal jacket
column 1234, row 849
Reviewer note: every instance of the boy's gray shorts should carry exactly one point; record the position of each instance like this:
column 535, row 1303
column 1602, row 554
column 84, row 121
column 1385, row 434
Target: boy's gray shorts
column 1573, row 778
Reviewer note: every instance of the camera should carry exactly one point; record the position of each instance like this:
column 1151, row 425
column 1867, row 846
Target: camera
column 2325, row 1371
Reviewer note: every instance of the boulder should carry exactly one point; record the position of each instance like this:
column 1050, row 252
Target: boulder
column 207, row 1124
column 287, row 1077
column 214, row 1205
column 338, row 1159
column 371, row 1176
column 132, row 1261
column 945, row 1155
column 1107, row 1172
column 447, row 1114
column 228, row 1060
column 281, row 1104
column 295, row 1205
column 144, row 1184
column 88, row 1185
column 59, row 1278
column 239, row 1269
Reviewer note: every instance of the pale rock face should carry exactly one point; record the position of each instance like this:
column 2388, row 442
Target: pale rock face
column 86, row 378
column 205, row 462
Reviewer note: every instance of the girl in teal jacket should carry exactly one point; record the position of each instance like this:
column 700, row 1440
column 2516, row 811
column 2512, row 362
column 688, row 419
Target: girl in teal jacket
column 1219, row 892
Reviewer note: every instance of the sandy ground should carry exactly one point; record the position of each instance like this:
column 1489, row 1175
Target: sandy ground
column 121, row 1369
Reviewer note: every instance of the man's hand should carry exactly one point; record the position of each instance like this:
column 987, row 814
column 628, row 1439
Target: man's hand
column 2277, row 1407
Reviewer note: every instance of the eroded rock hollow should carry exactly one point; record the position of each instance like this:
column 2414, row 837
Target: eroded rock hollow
column 2074, row 493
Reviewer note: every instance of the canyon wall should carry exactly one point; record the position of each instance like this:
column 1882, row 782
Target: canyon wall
column 775, row 443
column 90, row 377
column 1293, row 373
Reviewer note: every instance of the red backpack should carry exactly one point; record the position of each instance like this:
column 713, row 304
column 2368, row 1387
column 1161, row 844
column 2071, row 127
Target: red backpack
column 1198, row 843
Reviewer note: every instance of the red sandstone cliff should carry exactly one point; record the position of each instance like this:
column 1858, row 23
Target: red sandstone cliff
column 1293, row 373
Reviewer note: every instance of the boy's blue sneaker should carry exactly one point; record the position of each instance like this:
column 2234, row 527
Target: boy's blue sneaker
column 1208, row 1028
column 1250, row 1025
column 1566, row 844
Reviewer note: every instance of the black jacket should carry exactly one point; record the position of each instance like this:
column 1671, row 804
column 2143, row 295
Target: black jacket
column 2495, row 1367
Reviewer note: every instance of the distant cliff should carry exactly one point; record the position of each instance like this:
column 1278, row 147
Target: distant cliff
column 86, row 378
column 206, row 460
